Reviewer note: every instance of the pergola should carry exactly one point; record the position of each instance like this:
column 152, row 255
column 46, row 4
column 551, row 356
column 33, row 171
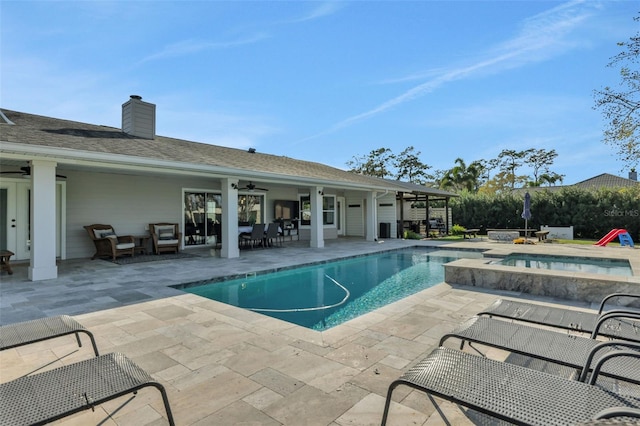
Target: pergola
column 417, row 193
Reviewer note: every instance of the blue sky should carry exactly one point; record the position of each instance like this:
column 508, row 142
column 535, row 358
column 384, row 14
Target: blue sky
column 329, row 81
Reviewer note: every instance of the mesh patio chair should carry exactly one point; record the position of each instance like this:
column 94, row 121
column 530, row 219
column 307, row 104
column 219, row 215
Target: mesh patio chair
column 43, row 397
column 566, row 349
column 569, row 319
column 512, row 393
column 27, row 332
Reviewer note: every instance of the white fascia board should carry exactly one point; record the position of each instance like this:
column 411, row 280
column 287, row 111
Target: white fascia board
column 100, row 159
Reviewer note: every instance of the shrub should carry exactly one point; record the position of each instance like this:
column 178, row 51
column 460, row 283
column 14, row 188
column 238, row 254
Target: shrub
column 592, row 212
column 457, row 229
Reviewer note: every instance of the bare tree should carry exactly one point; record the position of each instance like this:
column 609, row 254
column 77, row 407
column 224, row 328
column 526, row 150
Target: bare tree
column 409, row 167
column 540, row 160
column 621, row 108
column 375, row 164
column 510, row 161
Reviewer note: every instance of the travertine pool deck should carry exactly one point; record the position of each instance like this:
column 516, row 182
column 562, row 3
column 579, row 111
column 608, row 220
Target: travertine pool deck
column 226, row 366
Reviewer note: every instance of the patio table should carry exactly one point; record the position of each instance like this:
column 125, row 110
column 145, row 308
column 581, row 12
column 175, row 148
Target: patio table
column 5, row 264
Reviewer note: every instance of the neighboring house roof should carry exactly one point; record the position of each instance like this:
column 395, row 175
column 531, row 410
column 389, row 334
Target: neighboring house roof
column 606, row 180
column 28, row 133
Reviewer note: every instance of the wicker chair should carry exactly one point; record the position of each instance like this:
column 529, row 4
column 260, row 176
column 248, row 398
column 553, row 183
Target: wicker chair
column 166, row 237
column 108, row 244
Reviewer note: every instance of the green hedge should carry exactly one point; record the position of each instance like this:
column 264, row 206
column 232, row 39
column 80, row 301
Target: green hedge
column 592, row 213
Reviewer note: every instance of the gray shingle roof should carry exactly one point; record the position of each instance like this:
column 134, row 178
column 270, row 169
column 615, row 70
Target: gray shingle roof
column 70, row 136
column 606, row 180
column 66, row 135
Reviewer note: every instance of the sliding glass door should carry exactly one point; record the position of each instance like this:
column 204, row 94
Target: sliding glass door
column 202, row 218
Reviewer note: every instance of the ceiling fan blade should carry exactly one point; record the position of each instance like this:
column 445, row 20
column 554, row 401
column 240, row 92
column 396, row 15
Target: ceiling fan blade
column 26, row 171
column 251, row 187
column 15, row 172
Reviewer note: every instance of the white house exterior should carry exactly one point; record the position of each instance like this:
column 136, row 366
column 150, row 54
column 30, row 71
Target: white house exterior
column 59, row 175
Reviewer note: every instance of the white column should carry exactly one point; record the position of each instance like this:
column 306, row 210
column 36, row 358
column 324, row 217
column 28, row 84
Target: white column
column 43, row 221
column 370, row 215
column 230, row 247
column 317, row 228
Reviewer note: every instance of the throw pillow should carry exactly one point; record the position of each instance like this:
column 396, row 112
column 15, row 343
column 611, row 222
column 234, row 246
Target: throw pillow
column 166, row 235
column 104, row 233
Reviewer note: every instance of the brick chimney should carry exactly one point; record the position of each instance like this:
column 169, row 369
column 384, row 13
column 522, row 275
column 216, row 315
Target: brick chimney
column 633, row 175
column 139, row 118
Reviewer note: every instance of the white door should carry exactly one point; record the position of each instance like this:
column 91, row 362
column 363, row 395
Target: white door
column 15, row 230
column 14, row 217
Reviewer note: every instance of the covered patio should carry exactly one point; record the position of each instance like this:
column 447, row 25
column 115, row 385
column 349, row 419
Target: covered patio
column 59, row 176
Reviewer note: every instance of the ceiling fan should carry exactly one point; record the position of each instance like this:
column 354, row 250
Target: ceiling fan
column 26, row 171
column 250, row 187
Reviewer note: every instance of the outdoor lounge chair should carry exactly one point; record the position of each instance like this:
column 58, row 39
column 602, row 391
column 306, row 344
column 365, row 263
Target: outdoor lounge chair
column 611, row 413
column 513, row 393
column 108, row 243
column 569, row 319
column 24, row 333
column 166, row 237
column 51, row 395
column 561, row 348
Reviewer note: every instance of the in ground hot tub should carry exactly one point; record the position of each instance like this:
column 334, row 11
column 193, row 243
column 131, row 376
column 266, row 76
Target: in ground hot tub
column 562, row 282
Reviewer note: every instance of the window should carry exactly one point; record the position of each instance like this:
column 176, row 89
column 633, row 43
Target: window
column 305, row 210
column 250, row 208
column 328, row 210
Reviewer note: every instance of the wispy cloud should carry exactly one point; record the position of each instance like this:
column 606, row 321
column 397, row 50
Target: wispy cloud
column 324, row 9
column 190, row 47
column 541, row 37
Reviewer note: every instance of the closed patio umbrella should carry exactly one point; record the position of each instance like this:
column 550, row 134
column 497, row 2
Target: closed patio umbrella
column 526, row 212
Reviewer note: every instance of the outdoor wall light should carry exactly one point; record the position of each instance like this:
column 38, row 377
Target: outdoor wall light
column 234, row 185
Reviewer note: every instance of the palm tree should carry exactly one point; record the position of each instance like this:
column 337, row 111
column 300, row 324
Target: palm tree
column 461, row 177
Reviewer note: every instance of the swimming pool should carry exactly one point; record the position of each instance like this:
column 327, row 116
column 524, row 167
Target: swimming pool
column 566, row 263
column 325, row 295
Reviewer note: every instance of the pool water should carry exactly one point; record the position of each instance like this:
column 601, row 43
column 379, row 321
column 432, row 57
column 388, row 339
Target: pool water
column 325, row 295
column 566, row 263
